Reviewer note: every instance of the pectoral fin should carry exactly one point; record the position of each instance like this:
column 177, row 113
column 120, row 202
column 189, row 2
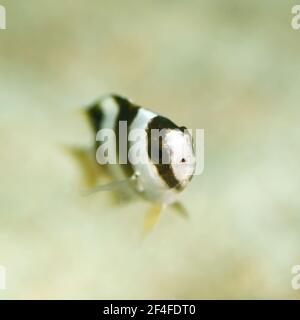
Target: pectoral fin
column 180, row 209
column 111, row 186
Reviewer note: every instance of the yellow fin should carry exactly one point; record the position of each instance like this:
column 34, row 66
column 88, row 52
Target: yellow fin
column 152, row 217
column 87, row 163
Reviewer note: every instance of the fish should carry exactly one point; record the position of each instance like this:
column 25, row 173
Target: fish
column 158, row 182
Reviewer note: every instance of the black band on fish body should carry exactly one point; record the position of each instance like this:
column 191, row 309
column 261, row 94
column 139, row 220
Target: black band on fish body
column 165, row 171
column 127, row 112
column 95, row 116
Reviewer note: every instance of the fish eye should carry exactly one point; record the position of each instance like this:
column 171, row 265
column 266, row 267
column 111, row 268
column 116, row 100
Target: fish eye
column 183, row 160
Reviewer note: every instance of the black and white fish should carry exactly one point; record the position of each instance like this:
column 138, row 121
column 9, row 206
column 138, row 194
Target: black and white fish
column 157, row 182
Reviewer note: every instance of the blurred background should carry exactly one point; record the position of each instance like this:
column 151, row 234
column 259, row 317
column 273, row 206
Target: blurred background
column 230, row 67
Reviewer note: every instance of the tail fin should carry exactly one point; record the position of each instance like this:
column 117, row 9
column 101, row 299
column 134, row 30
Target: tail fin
column 88, row 164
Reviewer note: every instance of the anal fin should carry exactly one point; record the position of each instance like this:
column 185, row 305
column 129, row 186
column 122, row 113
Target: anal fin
column 152, row 216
